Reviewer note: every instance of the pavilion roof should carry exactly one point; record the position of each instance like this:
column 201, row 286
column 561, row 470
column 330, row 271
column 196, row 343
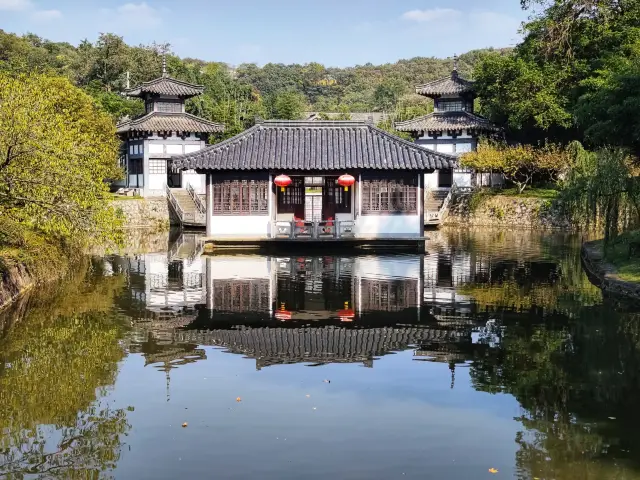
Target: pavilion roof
column 443, row 121
column 166, row 86
column 452, row 85
column 169, row 122
column 317, row 145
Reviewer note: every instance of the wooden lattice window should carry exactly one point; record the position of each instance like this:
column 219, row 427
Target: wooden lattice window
column 241, row 197
column 336, row 196
column 292, row 199
column 157, row 165
column 169, row 107
column 397, row 195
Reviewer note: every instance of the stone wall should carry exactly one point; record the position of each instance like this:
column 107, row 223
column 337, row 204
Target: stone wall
column 146, row 213
column 507, row 212
column 603, row 275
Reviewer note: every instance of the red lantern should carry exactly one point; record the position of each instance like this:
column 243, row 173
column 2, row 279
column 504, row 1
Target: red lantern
column 346, row 181
column 282, row 181
column 283, row 314
column 346, row 315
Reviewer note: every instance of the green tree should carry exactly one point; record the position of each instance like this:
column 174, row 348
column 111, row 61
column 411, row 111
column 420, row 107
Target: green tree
column 56, row 151
column 287, row 105
column 387, row 94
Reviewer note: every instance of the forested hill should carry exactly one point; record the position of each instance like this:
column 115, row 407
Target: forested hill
column 233, row 95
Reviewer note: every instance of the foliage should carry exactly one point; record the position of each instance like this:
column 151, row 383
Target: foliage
column 520, row 164
column 56, row 360
column 618, row 254
column 573, row 77
column 56, row 151
column 287, row 105
column 603, row 190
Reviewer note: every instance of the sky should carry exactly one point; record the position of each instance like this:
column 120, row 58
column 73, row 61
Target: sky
column 336, row 33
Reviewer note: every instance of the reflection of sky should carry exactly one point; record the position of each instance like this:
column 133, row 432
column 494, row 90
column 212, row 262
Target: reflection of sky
column 399, row 417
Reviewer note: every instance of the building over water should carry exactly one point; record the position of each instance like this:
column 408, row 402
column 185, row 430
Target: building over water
column 321, row 180
column 164, row 130
column 452, row 128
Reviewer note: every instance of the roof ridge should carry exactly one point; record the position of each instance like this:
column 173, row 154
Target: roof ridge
column 407, row 143
column 229, row 141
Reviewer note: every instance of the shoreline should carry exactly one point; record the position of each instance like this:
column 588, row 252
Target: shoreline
column 603, row 274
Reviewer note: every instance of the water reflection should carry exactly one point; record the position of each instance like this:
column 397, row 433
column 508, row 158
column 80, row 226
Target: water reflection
column 494, row 344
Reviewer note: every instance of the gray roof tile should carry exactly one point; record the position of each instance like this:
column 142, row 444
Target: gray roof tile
column 318, row 145
column 166, row 86
column 169, row 122
column 442, row 121
column 453, row 85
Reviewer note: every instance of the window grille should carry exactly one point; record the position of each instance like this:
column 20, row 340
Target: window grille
column 157, row 166
column 168, row 107
column 450, row 105
column 241, row 197
column 389, row 196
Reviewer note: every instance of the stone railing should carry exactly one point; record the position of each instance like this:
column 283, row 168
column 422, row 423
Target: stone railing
column 174, row 204
column 324, row 229
column 202, row 208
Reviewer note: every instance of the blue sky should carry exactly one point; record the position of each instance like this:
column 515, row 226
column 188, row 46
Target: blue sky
column 332, row 32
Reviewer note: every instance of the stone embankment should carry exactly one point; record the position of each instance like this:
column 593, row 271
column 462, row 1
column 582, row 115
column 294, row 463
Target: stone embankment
column 146, row 213
column 507, row 212
column 603, row 274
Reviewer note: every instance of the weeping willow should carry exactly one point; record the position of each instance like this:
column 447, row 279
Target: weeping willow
column 602, row 191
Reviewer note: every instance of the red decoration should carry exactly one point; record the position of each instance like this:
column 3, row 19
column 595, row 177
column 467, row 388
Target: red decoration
column 346, row 315
column 282, row 181
column 346, row 181
column 283, row 314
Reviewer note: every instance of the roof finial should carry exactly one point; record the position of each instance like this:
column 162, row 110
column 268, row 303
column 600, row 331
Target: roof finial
column 455, row 62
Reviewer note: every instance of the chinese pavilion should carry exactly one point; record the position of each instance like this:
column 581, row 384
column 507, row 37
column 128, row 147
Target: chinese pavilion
column 164, row 130
column 452, row 128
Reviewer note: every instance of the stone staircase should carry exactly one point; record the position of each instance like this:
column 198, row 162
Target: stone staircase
column 433, row 204
column 186, row 208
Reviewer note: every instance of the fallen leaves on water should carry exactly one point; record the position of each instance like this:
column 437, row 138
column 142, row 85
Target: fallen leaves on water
column 612, row 418
column 184, row 424
column 493, row 470
column 238, row 399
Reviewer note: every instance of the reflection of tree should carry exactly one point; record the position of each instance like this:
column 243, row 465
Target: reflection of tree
column 577, row 381
column 55, row 362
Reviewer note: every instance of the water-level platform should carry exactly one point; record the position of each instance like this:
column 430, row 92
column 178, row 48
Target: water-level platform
column 413, row 244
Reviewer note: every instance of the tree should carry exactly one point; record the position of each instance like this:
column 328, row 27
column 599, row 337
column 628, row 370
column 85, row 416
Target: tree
column 520, row 164
column 56, row 152
column 603, row 190
column 112, row 60
column 287, row 105
column 387, row 94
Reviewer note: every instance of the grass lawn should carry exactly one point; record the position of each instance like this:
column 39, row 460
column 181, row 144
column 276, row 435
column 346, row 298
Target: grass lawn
column 530, row 192
column 617, row 254
column 115, row 196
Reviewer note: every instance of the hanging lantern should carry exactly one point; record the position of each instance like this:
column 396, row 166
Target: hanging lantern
column 346, row 315
column 283, row 314
column 346, row 181
column 282, row 181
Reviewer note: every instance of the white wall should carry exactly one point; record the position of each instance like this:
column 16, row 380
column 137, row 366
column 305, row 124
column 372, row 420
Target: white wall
column 385, row 267
column 245, row 226
column 157, row 181
column 431, row 180
column 240, row 267
column 197, row 181
column 462, row 179
column 388, row 226
column 444, row 147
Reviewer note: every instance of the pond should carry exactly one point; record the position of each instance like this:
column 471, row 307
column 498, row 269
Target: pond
column 492, row 356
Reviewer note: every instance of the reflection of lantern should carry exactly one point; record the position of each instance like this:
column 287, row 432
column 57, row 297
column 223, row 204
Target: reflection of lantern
column 282, row 181
column 347, row 314
column 283, row 314
column 346, row 181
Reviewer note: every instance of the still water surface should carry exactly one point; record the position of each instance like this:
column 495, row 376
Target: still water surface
column 493, row 351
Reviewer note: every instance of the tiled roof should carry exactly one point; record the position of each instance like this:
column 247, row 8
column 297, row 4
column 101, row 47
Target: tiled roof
column 321, row 145
column 327, row 344
column 169, row 122
column 453, row 85
column 442, row 121
column 375, row 117
column 166, row 86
